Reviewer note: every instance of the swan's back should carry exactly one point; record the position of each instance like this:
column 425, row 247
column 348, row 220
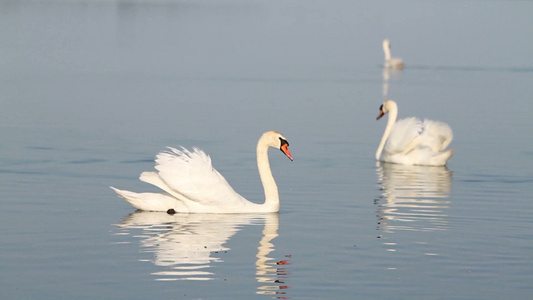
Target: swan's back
column 433, row 134
column 440, row 131
column 416, row 142
column 394, row 63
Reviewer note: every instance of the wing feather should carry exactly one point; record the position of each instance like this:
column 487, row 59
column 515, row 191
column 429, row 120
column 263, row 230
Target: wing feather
column 191, row 174
column 410, row 133
column 439, row 132
column 402, row 134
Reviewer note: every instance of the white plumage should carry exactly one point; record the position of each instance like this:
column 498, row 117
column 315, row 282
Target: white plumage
column 192, row 185
column 391, row 62
column 412, row 141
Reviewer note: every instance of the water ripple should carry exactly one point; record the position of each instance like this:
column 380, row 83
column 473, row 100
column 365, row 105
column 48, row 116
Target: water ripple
column 413, row 198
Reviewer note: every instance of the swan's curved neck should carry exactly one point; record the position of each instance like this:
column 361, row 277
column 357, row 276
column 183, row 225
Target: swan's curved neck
column 393, row 114
column 269, row 185
column 386, row 49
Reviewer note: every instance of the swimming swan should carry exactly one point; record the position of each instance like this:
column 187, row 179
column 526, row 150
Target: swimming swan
column 411, row 141
column 192, row 185
column 394, row 62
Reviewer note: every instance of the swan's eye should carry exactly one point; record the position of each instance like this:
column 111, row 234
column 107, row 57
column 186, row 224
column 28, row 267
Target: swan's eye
column 381, row 107
column 283, row 142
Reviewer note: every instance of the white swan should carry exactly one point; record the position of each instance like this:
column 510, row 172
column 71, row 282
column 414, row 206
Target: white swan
column 411, row 141
column 192, row 185
column 391, row 62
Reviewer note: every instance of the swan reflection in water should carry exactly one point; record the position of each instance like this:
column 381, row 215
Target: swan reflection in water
column 389, row 74
column 186, row 245
column 413, row 197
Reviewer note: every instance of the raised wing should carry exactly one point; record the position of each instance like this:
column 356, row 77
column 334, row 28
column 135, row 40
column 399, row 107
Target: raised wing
column 191, row 174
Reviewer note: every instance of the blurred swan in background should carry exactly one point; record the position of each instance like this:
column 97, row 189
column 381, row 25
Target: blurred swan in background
column 412, row 141
column 192, row 185
column 391, row 62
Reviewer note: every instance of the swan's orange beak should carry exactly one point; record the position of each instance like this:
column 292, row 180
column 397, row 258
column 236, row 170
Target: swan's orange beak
column 380, row 114
column 285, row 149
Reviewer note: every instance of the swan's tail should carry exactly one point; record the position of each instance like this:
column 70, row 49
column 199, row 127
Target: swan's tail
column 150, row 201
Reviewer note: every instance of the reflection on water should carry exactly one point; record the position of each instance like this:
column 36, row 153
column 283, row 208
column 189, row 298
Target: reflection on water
column 413, row 197
column 387, row 75
column 270, row 275
column 186, row 245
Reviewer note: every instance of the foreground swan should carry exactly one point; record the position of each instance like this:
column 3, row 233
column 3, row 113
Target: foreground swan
column 192, row 185
column 411, row 141
column 391, row 62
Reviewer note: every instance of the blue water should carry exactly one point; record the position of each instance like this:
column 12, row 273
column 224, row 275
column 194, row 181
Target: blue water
column 90, row 91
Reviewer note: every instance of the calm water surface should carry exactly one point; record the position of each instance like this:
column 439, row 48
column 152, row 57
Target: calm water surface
column 92, row 90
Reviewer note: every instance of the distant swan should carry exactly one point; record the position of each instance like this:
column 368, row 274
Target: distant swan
column 411, row 141
column 394, row 62
column 192, row 185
